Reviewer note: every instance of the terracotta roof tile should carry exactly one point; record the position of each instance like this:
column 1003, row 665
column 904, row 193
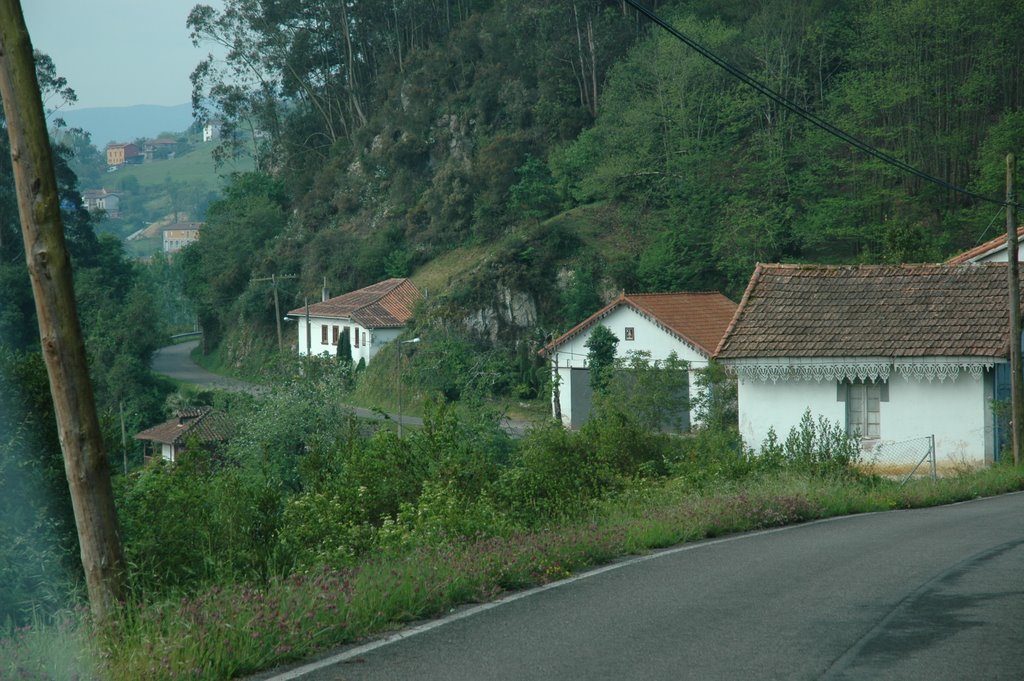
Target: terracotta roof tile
column 982, row 249
column 386, row 304
column 205, row 423
column 871, row 311
column 698, row 318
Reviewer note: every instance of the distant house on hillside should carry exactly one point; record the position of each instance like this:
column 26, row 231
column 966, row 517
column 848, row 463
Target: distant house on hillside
column 688, row 324
column 101, row 200
column 205, row 426
column 211, row 131
column 369, row 318
column 120, row 154
column 179, row 235
column 160, row 149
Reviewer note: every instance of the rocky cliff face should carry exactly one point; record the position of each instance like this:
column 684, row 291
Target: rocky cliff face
column 511, row 312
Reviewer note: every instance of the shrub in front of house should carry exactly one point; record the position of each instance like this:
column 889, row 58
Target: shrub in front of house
column 815, row 446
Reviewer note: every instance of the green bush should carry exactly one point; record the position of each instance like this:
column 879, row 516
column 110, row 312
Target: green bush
column 819, row 447
column 653, row 394
column 709, row 456
column 39, row 561
column 554, row 474
column 164, row 511
column 191, row 523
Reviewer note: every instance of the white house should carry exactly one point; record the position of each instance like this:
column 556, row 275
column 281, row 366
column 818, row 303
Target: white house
column 179, row 235
column 369, row 318
column 893, row 352
column 211, row 130
column 101, row 199
column 688, row 324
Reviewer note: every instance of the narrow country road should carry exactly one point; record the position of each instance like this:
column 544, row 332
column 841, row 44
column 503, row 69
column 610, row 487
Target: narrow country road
column 920, row 595
column 175, row 361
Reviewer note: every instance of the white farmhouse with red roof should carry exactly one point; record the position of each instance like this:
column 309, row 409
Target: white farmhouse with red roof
column 891, row 352
column 687, row 324
column 365, row 319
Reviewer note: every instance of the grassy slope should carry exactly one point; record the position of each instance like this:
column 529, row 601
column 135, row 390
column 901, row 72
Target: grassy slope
column 438, row 274
column 194, row 168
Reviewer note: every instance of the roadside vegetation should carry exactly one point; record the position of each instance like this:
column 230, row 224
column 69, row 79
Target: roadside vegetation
column 560, row 173
column 314, row 529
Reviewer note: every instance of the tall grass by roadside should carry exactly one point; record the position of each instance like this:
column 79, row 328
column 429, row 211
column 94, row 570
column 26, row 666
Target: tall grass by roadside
column 60, row 649
column 223, row 632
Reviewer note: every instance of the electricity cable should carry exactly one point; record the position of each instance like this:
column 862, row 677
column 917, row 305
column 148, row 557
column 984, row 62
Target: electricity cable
column 990, row 223
column 807, row 115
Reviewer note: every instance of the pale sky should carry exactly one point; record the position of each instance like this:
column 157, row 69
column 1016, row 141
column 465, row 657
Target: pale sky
column 118, row 52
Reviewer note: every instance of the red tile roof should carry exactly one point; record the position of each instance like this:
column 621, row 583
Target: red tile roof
column 700, row 319
column 982, row 249
column 205, row 423
column 871, row 311
column 385, row 304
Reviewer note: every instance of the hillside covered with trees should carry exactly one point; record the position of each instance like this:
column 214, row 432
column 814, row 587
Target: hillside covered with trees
column 571, row 150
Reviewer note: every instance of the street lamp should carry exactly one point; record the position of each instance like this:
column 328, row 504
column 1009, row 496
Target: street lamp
column 398, row 377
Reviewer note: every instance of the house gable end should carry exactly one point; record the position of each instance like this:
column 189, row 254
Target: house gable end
column 695, row 319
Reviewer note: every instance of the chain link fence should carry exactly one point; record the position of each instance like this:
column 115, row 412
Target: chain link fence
column 903, row 460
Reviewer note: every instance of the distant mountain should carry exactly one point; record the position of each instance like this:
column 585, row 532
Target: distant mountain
column 126, row 123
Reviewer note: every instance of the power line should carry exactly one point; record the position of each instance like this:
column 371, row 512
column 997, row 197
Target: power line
column 805, row 114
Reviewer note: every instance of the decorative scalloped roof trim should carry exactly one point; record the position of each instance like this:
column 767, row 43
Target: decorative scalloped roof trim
column 865, row 370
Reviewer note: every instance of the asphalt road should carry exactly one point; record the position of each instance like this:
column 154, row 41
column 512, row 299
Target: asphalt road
column 176, row 362
column 932, row 594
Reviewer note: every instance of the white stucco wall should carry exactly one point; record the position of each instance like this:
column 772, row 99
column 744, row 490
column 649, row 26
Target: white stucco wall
column 1000, row 254
column 378, row 338
column 764, row 405
column 648, row 336
column 370, row 340
column 956, row 411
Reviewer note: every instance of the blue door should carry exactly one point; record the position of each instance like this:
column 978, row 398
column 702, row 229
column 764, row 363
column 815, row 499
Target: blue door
column 1001, row 410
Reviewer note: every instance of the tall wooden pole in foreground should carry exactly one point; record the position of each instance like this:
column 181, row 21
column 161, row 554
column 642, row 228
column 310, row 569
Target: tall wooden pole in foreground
column 85, row 462
column 1016, row 378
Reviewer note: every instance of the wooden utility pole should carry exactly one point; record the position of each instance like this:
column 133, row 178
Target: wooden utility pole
column 124, row 436
column 277, row 305
column 309, row 330
column 1013, row 268
column 398, row 382
column 85, row 461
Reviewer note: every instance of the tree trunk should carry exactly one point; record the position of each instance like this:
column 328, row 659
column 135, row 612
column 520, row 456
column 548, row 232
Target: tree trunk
column 85, row 462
